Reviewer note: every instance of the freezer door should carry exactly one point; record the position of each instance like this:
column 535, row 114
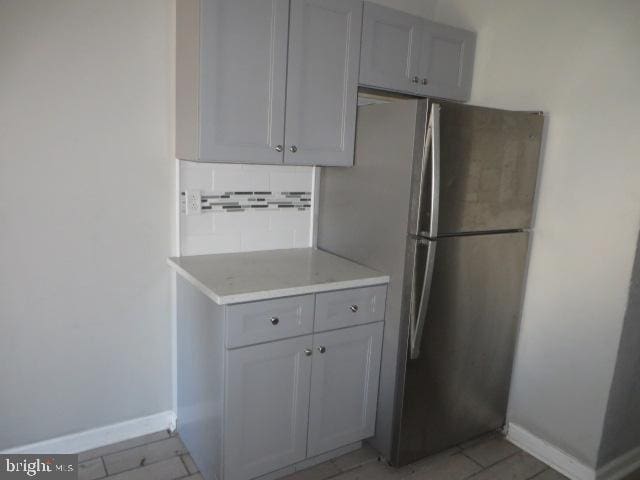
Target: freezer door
column 458, row 386
column 488, row 168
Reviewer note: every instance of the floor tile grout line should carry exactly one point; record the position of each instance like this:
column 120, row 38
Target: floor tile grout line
column 104, row 465
column 483, row 469
column 341, row 471
column 147, row 464
column 541, row 472
column 359, row 465
column 462, row 452
column 505, row 458
column 536, row 474
column 187, row 475
column 125, row 449
column 494, row 463
column 479, row 440
column 184, row 463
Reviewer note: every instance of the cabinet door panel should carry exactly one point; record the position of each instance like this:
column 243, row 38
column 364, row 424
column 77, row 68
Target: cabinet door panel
column 390, row 48
column 344, row 386
column 243, row 80
column 266, row 405
column 446, row 61
column 322, row 83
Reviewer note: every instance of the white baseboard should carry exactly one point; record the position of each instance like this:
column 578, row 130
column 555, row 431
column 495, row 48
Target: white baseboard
column 550, row 454
column 621, row 466
column 98, row 437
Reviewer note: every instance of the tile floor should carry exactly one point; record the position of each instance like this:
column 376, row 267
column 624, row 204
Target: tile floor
column 162, row 456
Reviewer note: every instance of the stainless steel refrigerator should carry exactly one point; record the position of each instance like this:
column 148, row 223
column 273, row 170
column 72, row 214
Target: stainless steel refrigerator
column 440, row 197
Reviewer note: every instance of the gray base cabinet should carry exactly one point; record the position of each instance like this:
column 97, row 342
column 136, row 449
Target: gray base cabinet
column 266, row 385
column 267, row 407
column 344, row 386
column 409, row 54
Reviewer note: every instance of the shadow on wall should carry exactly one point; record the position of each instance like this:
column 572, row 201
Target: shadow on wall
column 621, row 432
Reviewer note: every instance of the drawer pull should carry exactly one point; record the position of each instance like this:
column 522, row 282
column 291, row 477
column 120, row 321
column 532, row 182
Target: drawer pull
column 322, row 349
column 353, row 308
column 275, row 320
column 308, row 352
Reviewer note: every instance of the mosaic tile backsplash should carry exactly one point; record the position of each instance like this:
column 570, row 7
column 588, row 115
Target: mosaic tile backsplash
column 228, row 202
column 246, row 207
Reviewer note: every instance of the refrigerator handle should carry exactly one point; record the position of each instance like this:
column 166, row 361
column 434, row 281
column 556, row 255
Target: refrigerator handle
column 418, row 317
column 435, row 170
column 424, row 162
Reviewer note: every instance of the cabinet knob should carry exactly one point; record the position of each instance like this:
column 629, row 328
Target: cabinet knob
column 424, row 81
column 293, row 149
column 415, row 79
column 275, row 320
column 308, row 352
column 322, row 349
column 278, row 148
column 353, row 308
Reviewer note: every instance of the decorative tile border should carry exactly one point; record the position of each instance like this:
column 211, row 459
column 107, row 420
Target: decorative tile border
column 242, row 201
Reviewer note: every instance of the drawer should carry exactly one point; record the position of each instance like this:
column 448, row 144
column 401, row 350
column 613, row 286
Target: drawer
column 268, row 320
column 344, row 308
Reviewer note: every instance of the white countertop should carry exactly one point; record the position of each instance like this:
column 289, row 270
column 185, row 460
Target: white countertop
column 248, row 276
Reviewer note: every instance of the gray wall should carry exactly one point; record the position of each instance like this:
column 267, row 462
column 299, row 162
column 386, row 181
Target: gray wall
column 86, row 189
column 578, row 61
column 622, row 421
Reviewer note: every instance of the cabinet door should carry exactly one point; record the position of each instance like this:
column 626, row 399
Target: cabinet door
column 243, row 58
column 266, row 407
column 390, row 48
column 446, row 61
column 344, row 386
column 322, row 83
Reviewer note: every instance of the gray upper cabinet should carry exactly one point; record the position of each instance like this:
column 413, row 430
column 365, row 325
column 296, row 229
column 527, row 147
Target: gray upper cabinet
column 231, row 65
column 446, row 61
column 322, row 82
column 390, row 48
column 413, row 55
column 242, row 64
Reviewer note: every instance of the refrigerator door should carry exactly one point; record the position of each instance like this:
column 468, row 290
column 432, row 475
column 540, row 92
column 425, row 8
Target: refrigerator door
column 458, row 387
column 481, row 172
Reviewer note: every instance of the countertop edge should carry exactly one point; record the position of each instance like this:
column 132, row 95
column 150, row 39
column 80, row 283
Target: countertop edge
column 276, row 293
column 194, row 281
